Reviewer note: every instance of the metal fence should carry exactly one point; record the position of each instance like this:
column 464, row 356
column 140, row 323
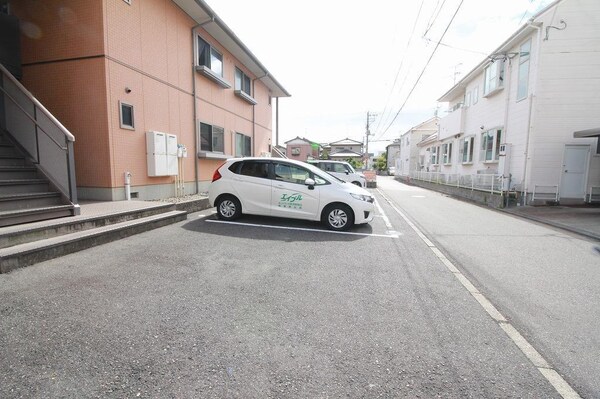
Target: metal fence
column 489, row 183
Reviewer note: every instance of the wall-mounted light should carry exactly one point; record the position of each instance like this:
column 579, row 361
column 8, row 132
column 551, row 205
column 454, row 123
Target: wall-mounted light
column 127, row 90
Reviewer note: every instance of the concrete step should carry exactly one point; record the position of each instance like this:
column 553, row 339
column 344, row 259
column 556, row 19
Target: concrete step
column 16, row 235
column 26, row 254
column 12, row 160
column 7, row 149
column 15, row 186
column 12, row 202
column 12, row 172
column 19, row 216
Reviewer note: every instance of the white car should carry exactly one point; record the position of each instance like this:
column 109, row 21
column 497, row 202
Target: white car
column 341, row 170
column 287, row 188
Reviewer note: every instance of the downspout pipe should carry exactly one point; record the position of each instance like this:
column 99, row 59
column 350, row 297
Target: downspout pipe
column 538, row 27
column 254, row 115
column 194, row 101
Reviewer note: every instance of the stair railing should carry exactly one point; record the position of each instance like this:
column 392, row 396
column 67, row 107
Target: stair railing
column 39, row 134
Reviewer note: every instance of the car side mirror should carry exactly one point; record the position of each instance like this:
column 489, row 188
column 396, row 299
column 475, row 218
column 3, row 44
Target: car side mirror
column 310, row 183
column 347, row 172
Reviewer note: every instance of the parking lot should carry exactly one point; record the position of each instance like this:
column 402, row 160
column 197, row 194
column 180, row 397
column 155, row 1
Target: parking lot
column 262, row 307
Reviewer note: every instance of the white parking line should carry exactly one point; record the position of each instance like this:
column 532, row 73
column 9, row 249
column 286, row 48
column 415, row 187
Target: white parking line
column 561, row 386
column 303, row 229
column 386, row 220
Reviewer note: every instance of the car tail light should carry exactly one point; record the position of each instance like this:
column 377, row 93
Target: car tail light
column 216, row 175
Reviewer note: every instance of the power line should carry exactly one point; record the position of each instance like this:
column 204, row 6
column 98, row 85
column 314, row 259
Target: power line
column 434, row 19
column 424, row 68
column 456, row 48
column 400, row 67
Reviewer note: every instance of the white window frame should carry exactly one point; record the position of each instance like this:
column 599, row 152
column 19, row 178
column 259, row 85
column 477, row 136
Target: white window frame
column 467, row 148
column 205, row 67
column 523, row 76
column 434, row 154
column 447, row 153
column 241, row 89
column 247, row 141
column 467, row 99
column 475, row 95
column 495, row 135
column 215, row 133
column 122, row 124
column 493, row 77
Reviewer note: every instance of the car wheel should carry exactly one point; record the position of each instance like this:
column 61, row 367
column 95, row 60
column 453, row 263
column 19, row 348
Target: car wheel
column 338, row 217
column 357, row 183
column 228, row 208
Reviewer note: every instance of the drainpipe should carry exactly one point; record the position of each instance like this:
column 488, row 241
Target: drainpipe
column 530, row 128
column 277, row 121
column 194, row 102
column 254, row 114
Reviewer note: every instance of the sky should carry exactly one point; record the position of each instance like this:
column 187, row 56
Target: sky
column 340, row 59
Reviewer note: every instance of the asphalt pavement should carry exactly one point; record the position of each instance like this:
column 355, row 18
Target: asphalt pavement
column 261, row 308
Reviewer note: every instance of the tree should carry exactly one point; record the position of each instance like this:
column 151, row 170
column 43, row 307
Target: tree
column 381, row 163
column 355, row 163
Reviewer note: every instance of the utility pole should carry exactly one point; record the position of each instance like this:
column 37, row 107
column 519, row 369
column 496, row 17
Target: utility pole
column 370, row 118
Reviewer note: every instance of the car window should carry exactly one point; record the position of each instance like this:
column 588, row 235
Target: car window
column 339, row 168
column 255, row 169
column 291, row 173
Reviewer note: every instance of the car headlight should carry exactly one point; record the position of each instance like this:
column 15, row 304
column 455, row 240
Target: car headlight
column 362, row 197
column 361, row 175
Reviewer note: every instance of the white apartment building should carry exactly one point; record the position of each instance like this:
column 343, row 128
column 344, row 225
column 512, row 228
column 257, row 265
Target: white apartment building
column 530, row 111
column 408, row 158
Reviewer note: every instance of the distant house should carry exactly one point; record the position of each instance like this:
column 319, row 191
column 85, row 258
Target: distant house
column 528, row 113
column 408, row 158
column 302, row 149
column 393, row 154
column 346, row 148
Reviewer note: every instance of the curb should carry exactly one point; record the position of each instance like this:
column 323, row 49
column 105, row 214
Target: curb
column 555, row 224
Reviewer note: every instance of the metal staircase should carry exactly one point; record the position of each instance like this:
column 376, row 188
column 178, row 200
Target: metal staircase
column 25, row 194
column 37, row 174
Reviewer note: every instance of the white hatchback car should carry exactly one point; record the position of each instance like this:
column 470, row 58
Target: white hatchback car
column 342, row 170
column 287, row 188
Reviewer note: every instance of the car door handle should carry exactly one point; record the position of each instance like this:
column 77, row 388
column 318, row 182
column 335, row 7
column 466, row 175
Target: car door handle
column 279, row 186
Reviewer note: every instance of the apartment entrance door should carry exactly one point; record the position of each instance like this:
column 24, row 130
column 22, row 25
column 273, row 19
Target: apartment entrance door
column 574, row 173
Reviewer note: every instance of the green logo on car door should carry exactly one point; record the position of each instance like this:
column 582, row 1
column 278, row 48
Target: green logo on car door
column 291, row 201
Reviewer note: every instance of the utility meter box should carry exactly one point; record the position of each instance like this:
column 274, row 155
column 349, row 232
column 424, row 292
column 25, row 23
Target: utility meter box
column 161, row 154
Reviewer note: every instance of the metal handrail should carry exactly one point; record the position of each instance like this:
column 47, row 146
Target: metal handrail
column 39, row 105
column 33, row 119
column 64, row 183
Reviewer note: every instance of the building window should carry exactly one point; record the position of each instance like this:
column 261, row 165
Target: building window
column 447, row 153
column 434, row 155
column 126, row 116
column 493, row 77
column 295, row 151
column 475, row 95
column 209, row 57
column 211, row 138
column 523, row 80
column 468, row 99
column 243, row 145
column 490, row 145
column 242, row 82
column 467, row 149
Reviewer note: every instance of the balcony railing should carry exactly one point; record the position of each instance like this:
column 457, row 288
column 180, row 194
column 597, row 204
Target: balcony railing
column 494, row 184
column 48, row 144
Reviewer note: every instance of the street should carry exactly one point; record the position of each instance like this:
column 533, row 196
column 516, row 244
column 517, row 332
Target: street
column 435, row 298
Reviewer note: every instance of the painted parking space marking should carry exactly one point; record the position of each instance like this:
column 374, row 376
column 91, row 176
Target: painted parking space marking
column 386, row 220
column 303, row 229
column 551, row 375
